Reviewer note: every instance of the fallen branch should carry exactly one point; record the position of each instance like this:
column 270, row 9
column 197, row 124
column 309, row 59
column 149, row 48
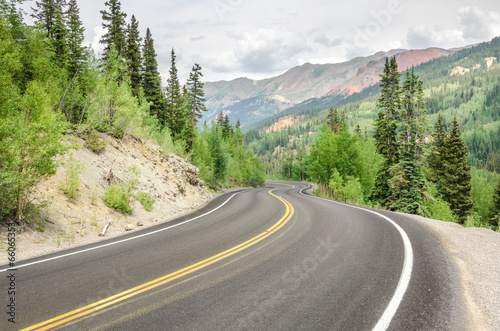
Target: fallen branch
column 105, row 228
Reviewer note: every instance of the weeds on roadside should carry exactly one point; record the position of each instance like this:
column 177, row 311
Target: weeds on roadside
column 72, row 180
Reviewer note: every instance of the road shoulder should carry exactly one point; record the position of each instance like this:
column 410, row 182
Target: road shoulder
column 475, row 252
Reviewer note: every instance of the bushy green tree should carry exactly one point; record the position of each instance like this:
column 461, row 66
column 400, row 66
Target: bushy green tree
column 30, row 138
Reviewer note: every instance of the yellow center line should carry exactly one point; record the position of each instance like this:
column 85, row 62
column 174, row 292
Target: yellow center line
column 89, row 309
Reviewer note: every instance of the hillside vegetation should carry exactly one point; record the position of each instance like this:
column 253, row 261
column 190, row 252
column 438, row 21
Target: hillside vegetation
column 462, row 85
column 52, row 88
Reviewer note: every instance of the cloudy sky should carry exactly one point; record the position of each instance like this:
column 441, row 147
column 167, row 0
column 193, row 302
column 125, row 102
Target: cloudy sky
column 264, row 38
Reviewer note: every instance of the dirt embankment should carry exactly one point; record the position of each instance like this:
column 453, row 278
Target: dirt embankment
column 64, row 222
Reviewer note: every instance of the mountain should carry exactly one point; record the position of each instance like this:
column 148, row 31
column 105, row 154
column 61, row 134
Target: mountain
column 370, row 74
column 464, row 84
column 251, row 101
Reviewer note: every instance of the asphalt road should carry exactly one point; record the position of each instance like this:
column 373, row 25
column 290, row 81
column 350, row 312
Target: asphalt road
column 273, row 258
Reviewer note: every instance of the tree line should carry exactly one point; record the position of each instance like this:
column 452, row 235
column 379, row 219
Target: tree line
column 405, row 165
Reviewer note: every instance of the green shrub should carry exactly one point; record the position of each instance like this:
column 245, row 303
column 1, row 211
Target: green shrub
column 118, row 197
column 146, row 200
column 94, row 141
column 71, row 182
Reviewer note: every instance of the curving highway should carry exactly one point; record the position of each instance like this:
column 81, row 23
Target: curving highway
column 274, row 258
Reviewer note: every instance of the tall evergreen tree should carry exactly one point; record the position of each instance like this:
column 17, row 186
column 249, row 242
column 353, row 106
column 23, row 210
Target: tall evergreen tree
column 133, row 55
column 407, row 180
column 75, row 37
column 333, row 120
column 151, row 81
column 457, row 179
column 495, row 207
column 113, row 21
column 44, row 14
column 435, row 159
column 59, row 38
column 176, row 113
column 196, row 97
column 386, row 125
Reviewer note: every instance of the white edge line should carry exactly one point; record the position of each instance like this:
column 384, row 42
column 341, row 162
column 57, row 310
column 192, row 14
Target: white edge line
column 386, row 318
column 123, row 240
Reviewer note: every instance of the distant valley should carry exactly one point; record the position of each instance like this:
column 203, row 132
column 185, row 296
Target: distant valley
column 308, row 85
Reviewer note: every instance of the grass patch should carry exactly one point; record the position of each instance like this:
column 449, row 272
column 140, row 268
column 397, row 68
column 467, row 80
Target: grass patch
column 146, row 200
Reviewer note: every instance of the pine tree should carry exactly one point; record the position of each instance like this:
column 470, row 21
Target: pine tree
column 386, row 125
column 435, row 159
column 177, row 115
column 151, row 81
column 59, row 38
column 44, row 14
column 196, row 97
column 407, row 180
column 75, row 37
column 333, row 121
column 495, row 207
column 114, row 24
column 457, row 176
column 133, row 55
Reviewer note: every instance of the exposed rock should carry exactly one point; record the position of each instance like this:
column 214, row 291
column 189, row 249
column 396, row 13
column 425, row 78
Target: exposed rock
column 129, row 227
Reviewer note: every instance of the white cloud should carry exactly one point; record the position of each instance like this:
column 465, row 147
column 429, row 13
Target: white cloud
column 474, row 26
column 477, row 24
column 421, row 36
column 324, row 40
column 262, row 51
column 99, row 31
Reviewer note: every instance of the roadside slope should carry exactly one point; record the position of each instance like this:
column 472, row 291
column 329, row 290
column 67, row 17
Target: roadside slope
column 64, row 222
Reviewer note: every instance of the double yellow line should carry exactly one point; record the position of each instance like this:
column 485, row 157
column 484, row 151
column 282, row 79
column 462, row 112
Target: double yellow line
column 99, row 305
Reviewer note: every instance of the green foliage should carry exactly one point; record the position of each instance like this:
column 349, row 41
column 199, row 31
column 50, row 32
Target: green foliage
column 196, row 98
column 494, row 212
column 119, row 195
column 225, row 162
column 146, row 200
column 437, row 208
column 29, row 140
column 72, row 180
column 151, row 81
column 113, row 22
column 75, row 37
column 340, row 153
column 348, row 190
column 457, row 179
column 93, row 140
column 133, row 56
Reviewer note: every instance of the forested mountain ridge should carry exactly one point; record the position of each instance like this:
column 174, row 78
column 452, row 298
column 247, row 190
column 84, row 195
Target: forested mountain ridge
column 253, row 100
column 464, row 85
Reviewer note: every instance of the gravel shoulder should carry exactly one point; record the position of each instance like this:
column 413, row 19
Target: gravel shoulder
column 476, row 254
